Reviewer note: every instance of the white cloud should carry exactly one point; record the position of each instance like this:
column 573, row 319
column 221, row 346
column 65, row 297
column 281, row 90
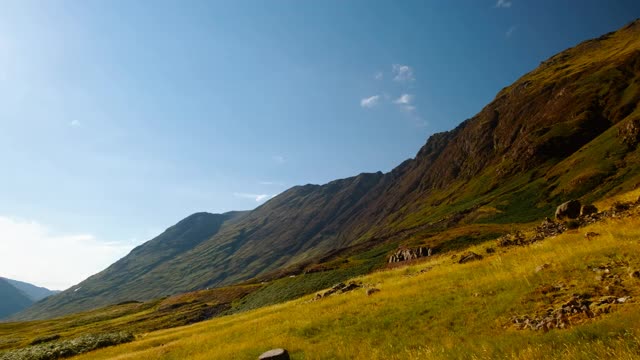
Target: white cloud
column 74, row 123
column 402, row 73
column 510, row 31
column 31, row 252
column 378, row 75
column 256, row 197
column 370, row 101
column 503, row 4
column 279, row 159
column 404, row 99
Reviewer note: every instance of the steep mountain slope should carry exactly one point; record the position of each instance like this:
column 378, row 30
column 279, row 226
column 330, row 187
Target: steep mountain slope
column 12, row 300
column 568, row 129
column 35, row 293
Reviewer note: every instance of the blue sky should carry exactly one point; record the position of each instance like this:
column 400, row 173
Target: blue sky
column 119, row 118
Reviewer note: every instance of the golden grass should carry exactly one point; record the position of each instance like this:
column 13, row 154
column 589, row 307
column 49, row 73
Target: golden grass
column 449, row 311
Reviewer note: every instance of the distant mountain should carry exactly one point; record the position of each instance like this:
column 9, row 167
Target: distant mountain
column 12, row 300
column 568, row 129
column 16, row 296
column 35, row 293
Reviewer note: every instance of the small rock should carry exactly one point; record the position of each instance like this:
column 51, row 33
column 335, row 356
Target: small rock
column 469, row 256
column 372, row 291
column 542, row 267
column 622, row 300
column 635, row 274
column 275, row 354
column 590, row 235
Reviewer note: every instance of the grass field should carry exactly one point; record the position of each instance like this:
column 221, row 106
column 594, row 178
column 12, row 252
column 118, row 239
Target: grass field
column 442, row 309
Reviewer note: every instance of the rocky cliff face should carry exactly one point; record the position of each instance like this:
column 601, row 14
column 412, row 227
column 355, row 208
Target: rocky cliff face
column 564, row 130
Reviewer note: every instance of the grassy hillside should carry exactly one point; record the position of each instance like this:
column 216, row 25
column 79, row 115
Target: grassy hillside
column 439, row 308
column 431, row 308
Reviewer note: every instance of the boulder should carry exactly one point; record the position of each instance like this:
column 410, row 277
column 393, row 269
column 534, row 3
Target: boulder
column 587, row 210
column 275, row 354
column 568, row 210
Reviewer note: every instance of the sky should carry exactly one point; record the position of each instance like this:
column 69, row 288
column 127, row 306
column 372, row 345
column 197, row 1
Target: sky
column 119, row 118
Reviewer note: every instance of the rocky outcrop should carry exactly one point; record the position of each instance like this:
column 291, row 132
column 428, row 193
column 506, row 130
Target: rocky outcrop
column 630, row 133
column 406, row 254
column 568, row 210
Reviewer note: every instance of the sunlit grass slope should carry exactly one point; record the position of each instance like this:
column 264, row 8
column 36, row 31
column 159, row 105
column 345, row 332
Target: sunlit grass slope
column 440, row 309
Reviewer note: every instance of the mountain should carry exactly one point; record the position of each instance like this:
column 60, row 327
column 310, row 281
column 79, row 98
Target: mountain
column 12, row 300
column 17, row 295
column 568, row 129
column 35, row 293
column 125, row 279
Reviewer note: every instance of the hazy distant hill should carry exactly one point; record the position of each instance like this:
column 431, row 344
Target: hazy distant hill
column 35, row 293
column 12, row 300
column 16, row 296
column 568, row 129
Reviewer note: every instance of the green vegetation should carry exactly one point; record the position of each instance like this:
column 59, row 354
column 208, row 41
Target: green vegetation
column 67, row 348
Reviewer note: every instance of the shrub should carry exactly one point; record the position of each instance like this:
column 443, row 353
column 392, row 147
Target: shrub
column 67, row 348
column 45, row 339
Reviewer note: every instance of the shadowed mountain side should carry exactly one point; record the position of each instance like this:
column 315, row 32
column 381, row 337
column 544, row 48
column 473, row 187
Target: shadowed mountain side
column 568, row 129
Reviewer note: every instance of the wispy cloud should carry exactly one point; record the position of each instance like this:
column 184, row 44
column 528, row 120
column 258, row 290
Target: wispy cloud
column 505, row 4
column 32, row 252
column 370, row 101
column 405, row 103
column 404, row 99
column 256, row 197
column 510, row 31
column 378, row 75
column 74, row 123
column 279, row 159
column 402, row 73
